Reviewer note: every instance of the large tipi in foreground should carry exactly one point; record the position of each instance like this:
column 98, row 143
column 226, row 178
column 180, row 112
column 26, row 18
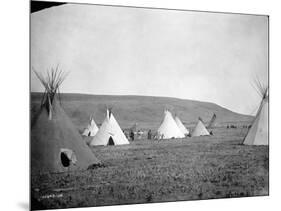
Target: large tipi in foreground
column 56, row 146
column 109, row 133
column 169, row 128
column 91, row 129
column 258, row 133
column 200, row 129
column 181, row 126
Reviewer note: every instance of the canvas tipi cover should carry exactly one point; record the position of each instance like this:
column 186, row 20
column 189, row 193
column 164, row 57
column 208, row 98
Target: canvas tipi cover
column 91, row 129
column 181, row 126
column 258, row 133
column 109, row 133
column 200, row 129
column 169, row 128
column 49, row 138
column 56, row 146
column 212, row 121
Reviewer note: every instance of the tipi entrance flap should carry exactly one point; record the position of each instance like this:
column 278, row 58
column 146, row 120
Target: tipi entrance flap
column 67, row 157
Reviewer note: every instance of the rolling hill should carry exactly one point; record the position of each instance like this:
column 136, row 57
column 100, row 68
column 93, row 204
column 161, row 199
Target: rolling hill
column 146, row 111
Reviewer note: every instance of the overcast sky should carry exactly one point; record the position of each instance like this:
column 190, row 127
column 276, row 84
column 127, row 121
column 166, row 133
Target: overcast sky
column 133, row 51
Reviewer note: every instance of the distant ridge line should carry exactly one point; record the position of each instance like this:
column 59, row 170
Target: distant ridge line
column 142, row 96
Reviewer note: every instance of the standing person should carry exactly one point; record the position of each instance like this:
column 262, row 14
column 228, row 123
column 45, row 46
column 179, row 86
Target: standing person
column 149, row 135
column 132, row 136
column 139, row 134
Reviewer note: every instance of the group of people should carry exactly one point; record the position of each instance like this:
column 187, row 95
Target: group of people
column 138, row 135
column 235, row 126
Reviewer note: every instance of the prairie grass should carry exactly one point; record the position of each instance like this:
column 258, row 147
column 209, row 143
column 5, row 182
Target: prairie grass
column 148, row 171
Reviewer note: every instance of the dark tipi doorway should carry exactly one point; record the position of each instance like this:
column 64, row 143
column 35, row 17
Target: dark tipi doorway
column 110, row 141
column 64, row 159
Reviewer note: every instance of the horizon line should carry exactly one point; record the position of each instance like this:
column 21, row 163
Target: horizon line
column 147, row 96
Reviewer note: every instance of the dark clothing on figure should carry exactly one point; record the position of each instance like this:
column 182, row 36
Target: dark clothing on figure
column 149, row 134
column 132, row 135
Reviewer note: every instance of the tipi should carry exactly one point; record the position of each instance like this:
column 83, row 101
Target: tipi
column 91, row 129
column 212, row 121
column 181, row 126
column 109, row 133
column 258, row 133
column 200, row 129
column 169, row 128
column 56, row 146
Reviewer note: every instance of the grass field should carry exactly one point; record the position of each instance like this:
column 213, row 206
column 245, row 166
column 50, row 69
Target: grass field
column 148, row 171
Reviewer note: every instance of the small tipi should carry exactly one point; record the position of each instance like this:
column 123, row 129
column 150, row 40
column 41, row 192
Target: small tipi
column 200, row 129
column 258, row 133
column 181, row 126
column 212, row 121
column 109, row 133
column 91, row 129
column 169, row 128
column 56, row 146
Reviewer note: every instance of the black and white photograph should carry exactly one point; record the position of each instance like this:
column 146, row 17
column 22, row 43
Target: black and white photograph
column 136, row 105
